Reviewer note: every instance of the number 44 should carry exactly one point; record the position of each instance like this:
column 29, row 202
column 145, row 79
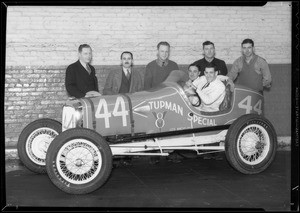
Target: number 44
column 120, row 104
column 246, row 104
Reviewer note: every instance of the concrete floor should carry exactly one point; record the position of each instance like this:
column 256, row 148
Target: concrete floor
column 192, row 183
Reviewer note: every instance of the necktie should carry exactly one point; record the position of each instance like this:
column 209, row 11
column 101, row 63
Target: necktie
column 88, row 69
column 206, row 85
column 128, row 74
column 163, row 64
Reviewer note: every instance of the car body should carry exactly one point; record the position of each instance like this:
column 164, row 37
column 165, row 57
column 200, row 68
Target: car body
column 164, row 109
column 153, row 122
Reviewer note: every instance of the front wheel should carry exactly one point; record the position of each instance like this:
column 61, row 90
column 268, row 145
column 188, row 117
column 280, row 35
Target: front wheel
column 251, row 144
column 79, row 161
column 34, row 141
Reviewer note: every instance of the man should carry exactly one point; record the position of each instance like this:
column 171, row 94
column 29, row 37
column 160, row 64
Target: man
column 210, row 90
column 124, row 80
column 81, row 80
column 193, row 72
column 209, row 59
column 250, row 69
column 158, row 70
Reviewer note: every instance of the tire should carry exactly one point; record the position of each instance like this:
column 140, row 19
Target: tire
column 34, row 141
column 250, row 144
column 79, row 161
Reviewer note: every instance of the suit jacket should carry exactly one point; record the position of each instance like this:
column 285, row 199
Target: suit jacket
column 78, row 81
column 114, row 79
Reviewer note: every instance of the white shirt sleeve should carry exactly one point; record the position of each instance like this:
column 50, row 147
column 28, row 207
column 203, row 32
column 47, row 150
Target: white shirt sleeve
column 217, row 91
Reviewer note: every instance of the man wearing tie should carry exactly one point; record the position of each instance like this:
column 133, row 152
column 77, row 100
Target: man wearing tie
column 158, row 70
column 81, row 80
column 126, row 80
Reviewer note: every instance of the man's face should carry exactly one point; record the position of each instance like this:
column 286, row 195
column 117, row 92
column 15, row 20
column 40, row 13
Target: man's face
column 209, row 51
column 86, row 55
column 163, row 52
column 193, row 72
column 210, row 74
column 126, row 60
column 247, row 50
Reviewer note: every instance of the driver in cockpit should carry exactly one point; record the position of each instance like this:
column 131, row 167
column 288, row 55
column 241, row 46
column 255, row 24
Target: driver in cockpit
column 206, row 92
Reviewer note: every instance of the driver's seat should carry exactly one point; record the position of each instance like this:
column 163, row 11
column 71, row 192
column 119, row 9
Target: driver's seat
column 226, row 103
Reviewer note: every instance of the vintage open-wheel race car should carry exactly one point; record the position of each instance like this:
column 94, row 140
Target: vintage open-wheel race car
column 78, row 154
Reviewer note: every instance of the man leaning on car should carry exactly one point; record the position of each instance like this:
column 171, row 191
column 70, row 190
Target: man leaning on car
column 158, row 70
column 124, row 80
column 81, row 80
column 250, row 69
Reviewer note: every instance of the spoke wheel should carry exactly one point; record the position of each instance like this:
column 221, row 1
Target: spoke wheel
column 38, row 143
column 79, row 161
column 251, row 144
column 34, row 141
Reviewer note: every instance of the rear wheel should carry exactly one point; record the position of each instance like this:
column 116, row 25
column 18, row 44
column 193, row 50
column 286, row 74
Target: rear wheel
column 79, row 161
column 34, row 141
column 251, row 144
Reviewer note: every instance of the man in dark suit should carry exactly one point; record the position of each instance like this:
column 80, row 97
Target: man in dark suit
column 210, row 60
column 81, row 80
column 124, row 80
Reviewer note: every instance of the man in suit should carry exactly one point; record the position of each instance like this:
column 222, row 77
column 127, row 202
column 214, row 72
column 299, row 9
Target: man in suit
column 124, row 80
column 81, row 80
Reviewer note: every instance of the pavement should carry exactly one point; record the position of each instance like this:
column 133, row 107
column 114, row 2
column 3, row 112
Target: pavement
column 192, row 183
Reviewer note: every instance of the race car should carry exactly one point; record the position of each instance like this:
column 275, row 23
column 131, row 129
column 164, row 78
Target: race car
column 77, row 153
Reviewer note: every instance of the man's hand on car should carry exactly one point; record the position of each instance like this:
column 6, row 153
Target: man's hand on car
column 92, row 94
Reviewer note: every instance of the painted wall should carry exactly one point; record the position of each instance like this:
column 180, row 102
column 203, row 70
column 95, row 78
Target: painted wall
column 42, row 41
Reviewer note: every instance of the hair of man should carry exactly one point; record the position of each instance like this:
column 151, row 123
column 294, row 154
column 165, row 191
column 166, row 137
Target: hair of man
column 83, row 46
column 164, row 43
column 207, row 43
column 248, row 41
column 126, row 52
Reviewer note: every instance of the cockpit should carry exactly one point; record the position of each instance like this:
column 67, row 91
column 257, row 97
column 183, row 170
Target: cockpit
column 180, row 77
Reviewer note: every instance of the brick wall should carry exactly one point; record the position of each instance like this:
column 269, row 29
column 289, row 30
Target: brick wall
column 42, row 41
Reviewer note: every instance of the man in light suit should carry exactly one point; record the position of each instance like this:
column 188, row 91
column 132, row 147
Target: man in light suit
column 124, row 80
